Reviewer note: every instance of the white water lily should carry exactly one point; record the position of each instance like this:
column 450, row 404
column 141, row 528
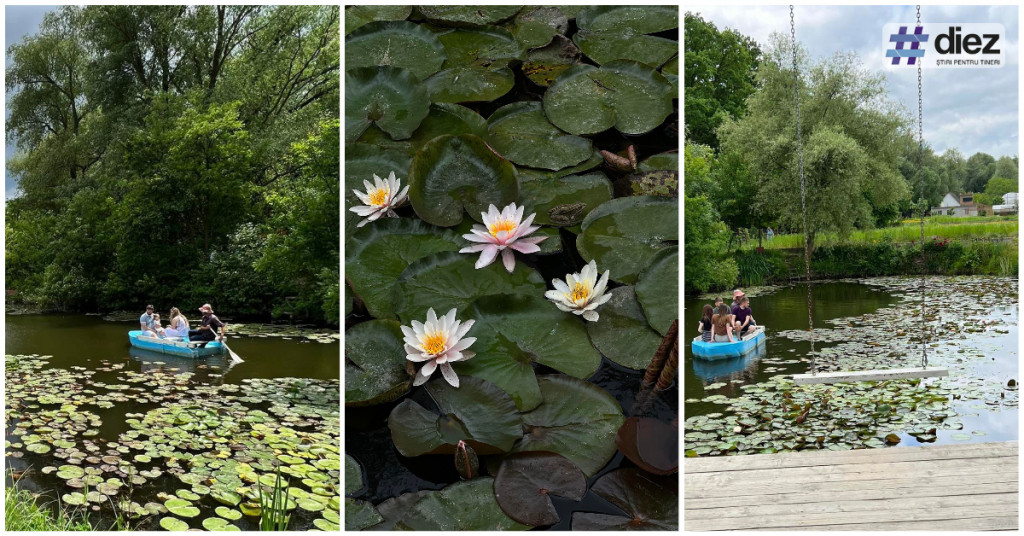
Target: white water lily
column 381, row 198
column 503, row 231
column 438, row 343
column 580, row 293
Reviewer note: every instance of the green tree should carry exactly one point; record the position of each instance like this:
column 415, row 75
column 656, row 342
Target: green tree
column 851, row 166
column 980, row 168
column 719, row 76
column 707, row 262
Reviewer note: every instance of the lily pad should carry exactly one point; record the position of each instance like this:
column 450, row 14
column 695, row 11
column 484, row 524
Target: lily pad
column 447, row 118
column 651, row 444
column 630, row 96
column 181, row 508
column 375, row 363
column 659, row 162
column 526, row 481
column 609, row 33
column 73, row 499
column 477, row 66
column 576, row 419
column 657, row 289
column 536, row 26
column 451, row 174
column 477, row 412
column 625, row 18
column 38, row 448
column 392, row 98
column 662, row 183
column 228, row 513
column 216, row 523
column 353, row 475
column 395, row 508
column 521, row 133
column 173, row 524
column 467, row 505
column 541, row 195
column 468, row 15
column 622, row 332
column 651, row 502
column 360, row 515
column 623, row 234
column 447, row 280
column 359, row 16
column 543, row 65
column 396, row 43
column 514, row 332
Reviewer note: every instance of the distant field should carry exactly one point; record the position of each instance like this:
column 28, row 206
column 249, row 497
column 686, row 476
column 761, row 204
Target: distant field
column 980, row 227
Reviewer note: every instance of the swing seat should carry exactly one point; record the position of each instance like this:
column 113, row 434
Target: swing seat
column 870, row 375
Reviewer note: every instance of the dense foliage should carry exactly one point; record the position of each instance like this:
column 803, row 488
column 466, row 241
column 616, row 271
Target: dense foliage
column 177, row 155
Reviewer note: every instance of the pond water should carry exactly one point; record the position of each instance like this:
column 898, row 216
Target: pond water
column 289, row 385
column 864, row 324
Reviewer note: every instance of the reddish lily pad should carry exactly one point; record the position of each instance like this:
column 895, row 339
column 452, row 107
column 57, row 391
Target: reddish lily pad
column 525, row 482
column 651, row 502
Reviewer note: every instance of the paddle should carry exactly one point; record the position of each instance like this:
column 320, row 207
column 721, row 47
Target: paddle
column 234, row 356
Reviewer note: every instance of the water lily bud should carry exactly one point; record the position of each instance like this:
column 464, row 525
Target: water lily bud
column 466, row 462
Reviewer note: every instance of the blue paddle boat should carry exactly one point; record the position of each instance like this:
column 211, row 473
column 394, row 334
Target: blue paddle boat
column 175, row 346
column 714, row 351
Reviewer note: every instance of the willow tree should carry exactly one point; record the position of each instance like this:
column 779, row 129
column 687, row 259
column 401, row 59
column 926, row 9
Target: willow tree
column 849, row 129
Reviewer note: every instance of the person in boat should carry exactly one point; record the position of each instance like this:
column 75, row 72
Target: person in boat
column 146, row 323
column 208, row 326
column 705, row 323
column 179, row 324
column 736, row 295
column 722, row 325
column 742, row 316
column 158, row 327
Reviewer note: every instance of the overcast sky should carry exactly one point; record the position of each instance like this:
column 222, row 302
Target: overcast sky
column 969, row 109
column 19, row 21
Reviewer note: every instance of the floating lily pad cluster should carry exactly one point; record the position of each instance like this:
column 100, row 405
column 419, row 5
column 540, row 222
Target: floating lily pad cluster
column 215, row 446
column 567, row 111
column 777, row 416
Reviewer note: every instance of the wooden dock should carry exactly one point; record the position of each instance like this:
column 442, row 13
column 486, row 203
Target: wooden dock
column 947, row 487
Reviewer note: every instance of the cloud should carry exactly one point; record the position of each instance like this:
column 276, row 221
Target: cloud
column 970, row 110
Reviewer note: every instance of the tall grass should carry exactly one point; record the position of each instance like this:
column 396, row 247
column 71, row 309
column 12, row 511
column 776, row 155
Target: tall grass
column 23, row 513
column 904, row 233
column 274, row 505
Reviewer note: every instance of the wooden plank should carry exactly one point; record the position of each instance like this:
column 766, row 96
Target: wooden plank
column 973, row 524
column 870, row 375
column 871, row 507
column 894, row 485
column 906, row 488
column 847, row 518
column 828, row 457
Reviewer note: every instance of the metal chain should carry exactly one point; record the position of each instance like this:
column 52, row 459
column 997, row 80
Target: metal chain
column 803, row 187
column 920, row 174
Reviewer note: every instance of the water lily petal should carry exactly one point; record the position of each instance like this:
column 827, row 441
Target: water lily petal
column 590, row 315
column 487, row 255
column 463, row 344
column 524, row 247
column 509, row 259
column 449, row 375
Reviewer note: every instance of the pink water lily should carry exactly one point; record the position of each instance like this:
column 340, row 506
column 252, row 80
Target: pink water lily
column 380, row 198
column 503, row 231
column 438, row 343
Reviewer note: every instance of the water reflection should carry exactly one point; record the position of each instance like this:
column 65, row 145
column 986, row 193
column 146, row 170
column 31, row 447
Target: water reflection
column 742, row 368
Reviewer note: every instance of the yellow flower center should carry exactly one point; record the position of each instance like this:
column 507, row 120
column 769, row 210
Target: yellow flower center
column 580, row 292
column 379, row 197
column 501, row 225
column 434, row 343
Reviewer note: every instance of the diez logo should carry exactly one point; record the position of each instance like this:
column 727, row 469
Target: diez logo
column 934, row 44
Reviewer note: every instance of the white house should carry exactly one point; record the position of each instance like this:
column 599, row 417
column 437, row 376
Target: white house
column 959, row 205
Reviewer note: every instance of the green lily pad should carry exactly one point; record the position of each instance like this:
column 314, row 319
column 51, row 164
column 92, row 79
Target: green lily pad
column 659, row 162
column 622, row 332
column 447, row 118
column 576, row 419
column 395, row 508
column 467, row 505
column 331, row 526
column 310, row 505
column 353, row 473
column 542, row 194
column 609, row 33
column 359, row 515
column 526, row 481
column 651, row 502
column 543, row 65
column 447, row 280
column 451, row 174
column 477, row 411
column 623, row 18
column 392, row 98
column 468, row 15
column 623, row 234
column 38, row 448
column 216, row 523
column 173, row 524
column 552, row 245
column 536, row 26
column 375, row 363
column 228, row 513
column 396, row 43
column 359, row 16
column 521, row 133
column 630, row 96
column 181, row 508
column 73, row 499
column 477, row 66
column 227, row 497
column 657, row 289
column 186, row 494
column 376, row 255
column 514, row 332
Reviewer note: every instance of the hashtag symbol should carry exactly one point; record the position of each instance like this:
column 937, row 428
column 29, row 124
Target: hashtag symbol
column 911, row 53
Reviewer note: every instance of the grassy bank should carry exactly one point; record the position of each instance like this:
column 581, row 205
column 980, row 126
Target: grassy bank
column 886, row 257
column 23, row 513
column 982, row 227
